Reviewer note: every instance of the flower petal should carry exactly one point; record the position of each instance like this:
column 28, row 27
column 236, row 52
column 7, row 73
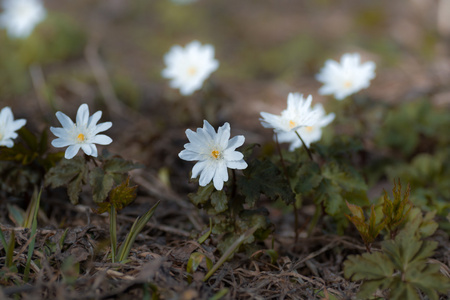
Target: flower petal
column 102, row 139
column 71, row 151
column 82, row 115
column 65, row 121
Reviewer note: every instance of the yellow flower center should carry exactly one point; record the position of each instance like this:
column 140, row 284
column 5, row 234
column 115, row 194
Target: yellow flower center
column 309, row 128
column 215, row 154
column 81, row 137
column 292, row 124
column 348, row 84
column 192, row 71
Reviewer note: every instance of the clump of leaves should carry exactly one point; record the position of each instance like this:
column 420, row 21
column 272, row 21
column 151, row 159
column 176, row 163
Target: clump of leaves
column 101, row 176
column 396, row 211
column 23, row 166
column 368, row 230
column 401, row 268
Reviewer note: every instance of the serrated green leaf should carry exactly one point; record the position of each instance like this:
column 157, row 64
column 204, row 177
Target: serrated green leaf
column 101, row 184
column 203, row 194
column 307, row 177
column 122, row 195
column 219, row 201
column 65, row 171
column 368, row 266
column 330, row 195
column 263, row 177
column 75, row 185
column 117, row 164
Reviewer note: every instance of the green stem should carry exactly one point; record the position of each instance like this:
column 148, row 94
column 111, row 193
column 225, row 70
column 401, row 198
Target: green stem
column 113, row 232
column 304, row 145
column 315, row 219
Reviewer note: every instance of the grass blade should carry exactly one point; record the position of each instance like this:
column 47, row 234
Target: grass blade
column 113, row 232
column 137, row 227
column 230, row 251
column 35, row 203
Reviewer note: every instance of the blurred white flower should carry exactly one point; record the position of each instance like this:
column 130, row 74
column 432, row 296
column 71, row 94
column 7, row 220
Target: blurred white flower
column 19, row 17
column 188, row 67
column 297, row 114
column 345, row 78
column 309, row 134
column 82, row 134
column 8, row 127
column 215, row 152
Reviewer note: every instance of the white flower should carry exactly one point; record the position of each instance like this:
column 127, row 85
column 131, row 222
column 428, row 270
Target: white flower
column 215, row 153
column 21, row 16
column 345, row 78
column 309, row 134
column 8, row 127
column 297, row 114
column 82, row 134
column 188, row 67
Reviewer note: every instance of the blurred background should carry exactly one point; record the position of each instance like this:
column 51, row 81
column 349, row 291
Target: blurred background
column 109, row 54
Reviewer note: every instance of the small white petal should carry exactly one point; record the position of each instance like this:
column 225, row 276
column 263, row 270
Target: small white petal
column 207, row 174
column 94, row 119
column 65, row 121
column 71, row 151
column 86, row 148
column 61, row 142
column 189, row 155
column 94, row 152
column 239, row 165
column 198, row 168
column 236, row 142
column 102, row 139
column 83, row 115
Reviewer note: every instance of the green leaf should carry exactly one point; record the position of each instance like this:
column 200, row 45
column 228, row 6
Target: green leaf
column 116, row 164
column 101, row 184
column 307, row 177
column 194, row 262
column 203, row 194
column 330, row 194
column 219, row 201
column 65, row 171
column 263, row 177
column 122, row 195
column 402, row 266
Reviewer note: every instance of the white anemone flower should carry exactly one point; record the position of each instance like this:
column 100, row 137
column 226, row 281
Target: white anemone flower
column 82, row 134
column 19, row 17
column 188, row 67
column 215, row 152
column 309, row 134
column 8, row 127
column 297, row 114
column 346, row 78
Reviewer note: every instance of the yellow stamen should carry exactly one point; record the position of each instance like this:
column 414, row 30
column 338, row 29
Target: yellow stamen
column 215, row 154
column 309, row 128
column 80, row 137
column 348, row 84
column 292, row 124
column 192, row 71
